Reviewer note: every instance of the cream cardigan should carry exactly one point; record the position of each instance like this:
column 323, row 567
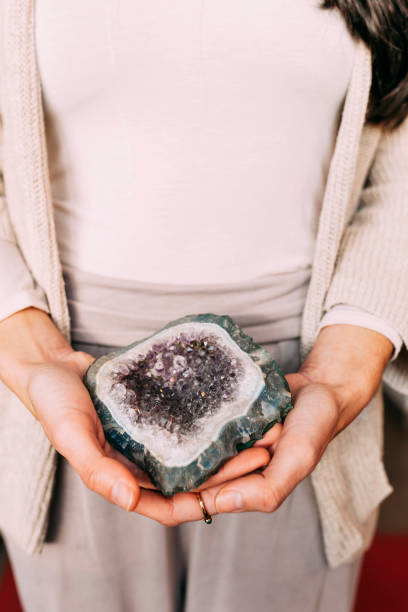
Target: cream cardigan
column 359, row 260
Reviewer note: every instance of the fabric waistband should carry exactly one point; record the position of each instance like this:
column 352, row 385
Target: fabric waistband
column 115, row 312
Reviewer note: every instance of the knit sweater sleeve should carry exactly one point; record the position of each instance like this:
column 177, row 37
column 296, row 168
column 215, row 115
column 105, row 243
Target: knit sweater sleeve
column 18, row 289
column 371, row 271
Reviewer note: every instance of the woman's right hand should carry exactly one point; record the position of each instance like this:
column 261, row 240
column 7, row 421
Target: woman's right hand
column 42, row 369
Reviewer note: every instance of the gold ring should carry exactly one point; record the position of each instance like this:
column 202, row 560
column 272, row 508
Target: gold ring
column 207, row 518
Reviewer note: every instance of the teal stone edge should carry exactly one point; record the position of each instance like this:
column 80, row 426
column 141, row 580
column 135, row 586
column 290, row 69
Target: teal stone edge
column 236, row 435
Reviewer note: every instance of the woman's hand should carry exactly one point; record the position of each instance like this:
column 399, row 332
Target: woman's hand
column 337, row 380
column 41, row 368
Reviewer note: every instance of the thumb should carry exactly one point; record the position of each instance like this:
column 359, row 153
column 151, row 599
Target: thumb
column 79, row 361
column 76, row 438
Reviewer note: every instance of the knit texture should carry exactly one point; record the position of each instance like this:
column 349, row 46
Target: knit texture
column 359, row 259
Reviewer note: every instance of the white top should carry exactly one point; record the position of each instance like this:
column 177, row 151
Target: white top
column 192, row 113
column 205, row 177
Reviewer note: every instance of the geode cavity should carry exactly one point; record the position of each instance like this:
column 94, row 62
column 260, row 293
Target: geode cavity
column 184, row 400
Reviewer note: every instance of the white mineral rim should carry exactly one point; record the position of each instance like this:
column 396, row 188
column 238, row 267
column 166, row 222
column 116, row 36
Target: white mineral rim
column 166, row 446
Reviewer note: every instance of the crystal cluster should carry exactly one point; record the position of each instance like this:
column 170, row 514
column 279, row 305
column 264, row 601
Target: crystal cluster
column 177, row 382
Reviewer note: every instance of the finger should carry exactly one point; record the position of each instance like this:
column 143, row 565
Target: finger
column 271, row 437
column 154, row 505
column 184, row 507
column 246, row 461
column 243, row 463
column 296, row 382
column 79, row 361
column 180, row 508
column 141, row 476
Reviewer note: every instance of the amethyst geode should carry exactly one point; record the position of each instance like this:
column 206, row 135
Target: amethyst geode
column 184, row 400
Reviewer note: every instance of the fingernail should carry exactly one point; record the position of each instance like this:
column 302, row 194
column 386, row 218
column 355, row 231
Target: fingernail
column 122, row 495
column 230, row 501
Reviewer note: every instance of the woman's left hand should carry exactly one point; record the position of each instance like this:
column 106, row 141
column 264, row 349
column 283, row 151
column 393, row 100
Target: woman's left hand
column 335, row 383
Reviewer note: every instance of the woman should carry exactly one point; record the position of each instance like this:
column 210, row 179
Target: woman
column 228, row 113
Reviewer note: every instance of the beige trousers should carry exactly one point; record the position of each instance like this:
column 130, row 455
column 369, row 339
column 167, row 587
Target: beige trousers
column 99, row 558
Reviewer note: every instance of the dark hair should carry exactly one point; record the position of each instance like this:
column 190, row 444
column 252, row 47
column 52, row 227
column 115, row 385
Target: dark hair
column 383, row 26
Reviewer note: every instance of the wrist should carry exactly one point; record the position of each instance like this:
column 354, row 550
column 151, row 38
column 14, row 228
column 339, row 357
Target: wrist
column 349, row 359
column 29, row 338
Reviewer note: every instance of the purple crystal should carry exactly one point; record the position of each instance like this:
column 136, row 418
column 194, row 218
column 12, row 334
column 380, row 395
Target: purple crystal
column 178, row 382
